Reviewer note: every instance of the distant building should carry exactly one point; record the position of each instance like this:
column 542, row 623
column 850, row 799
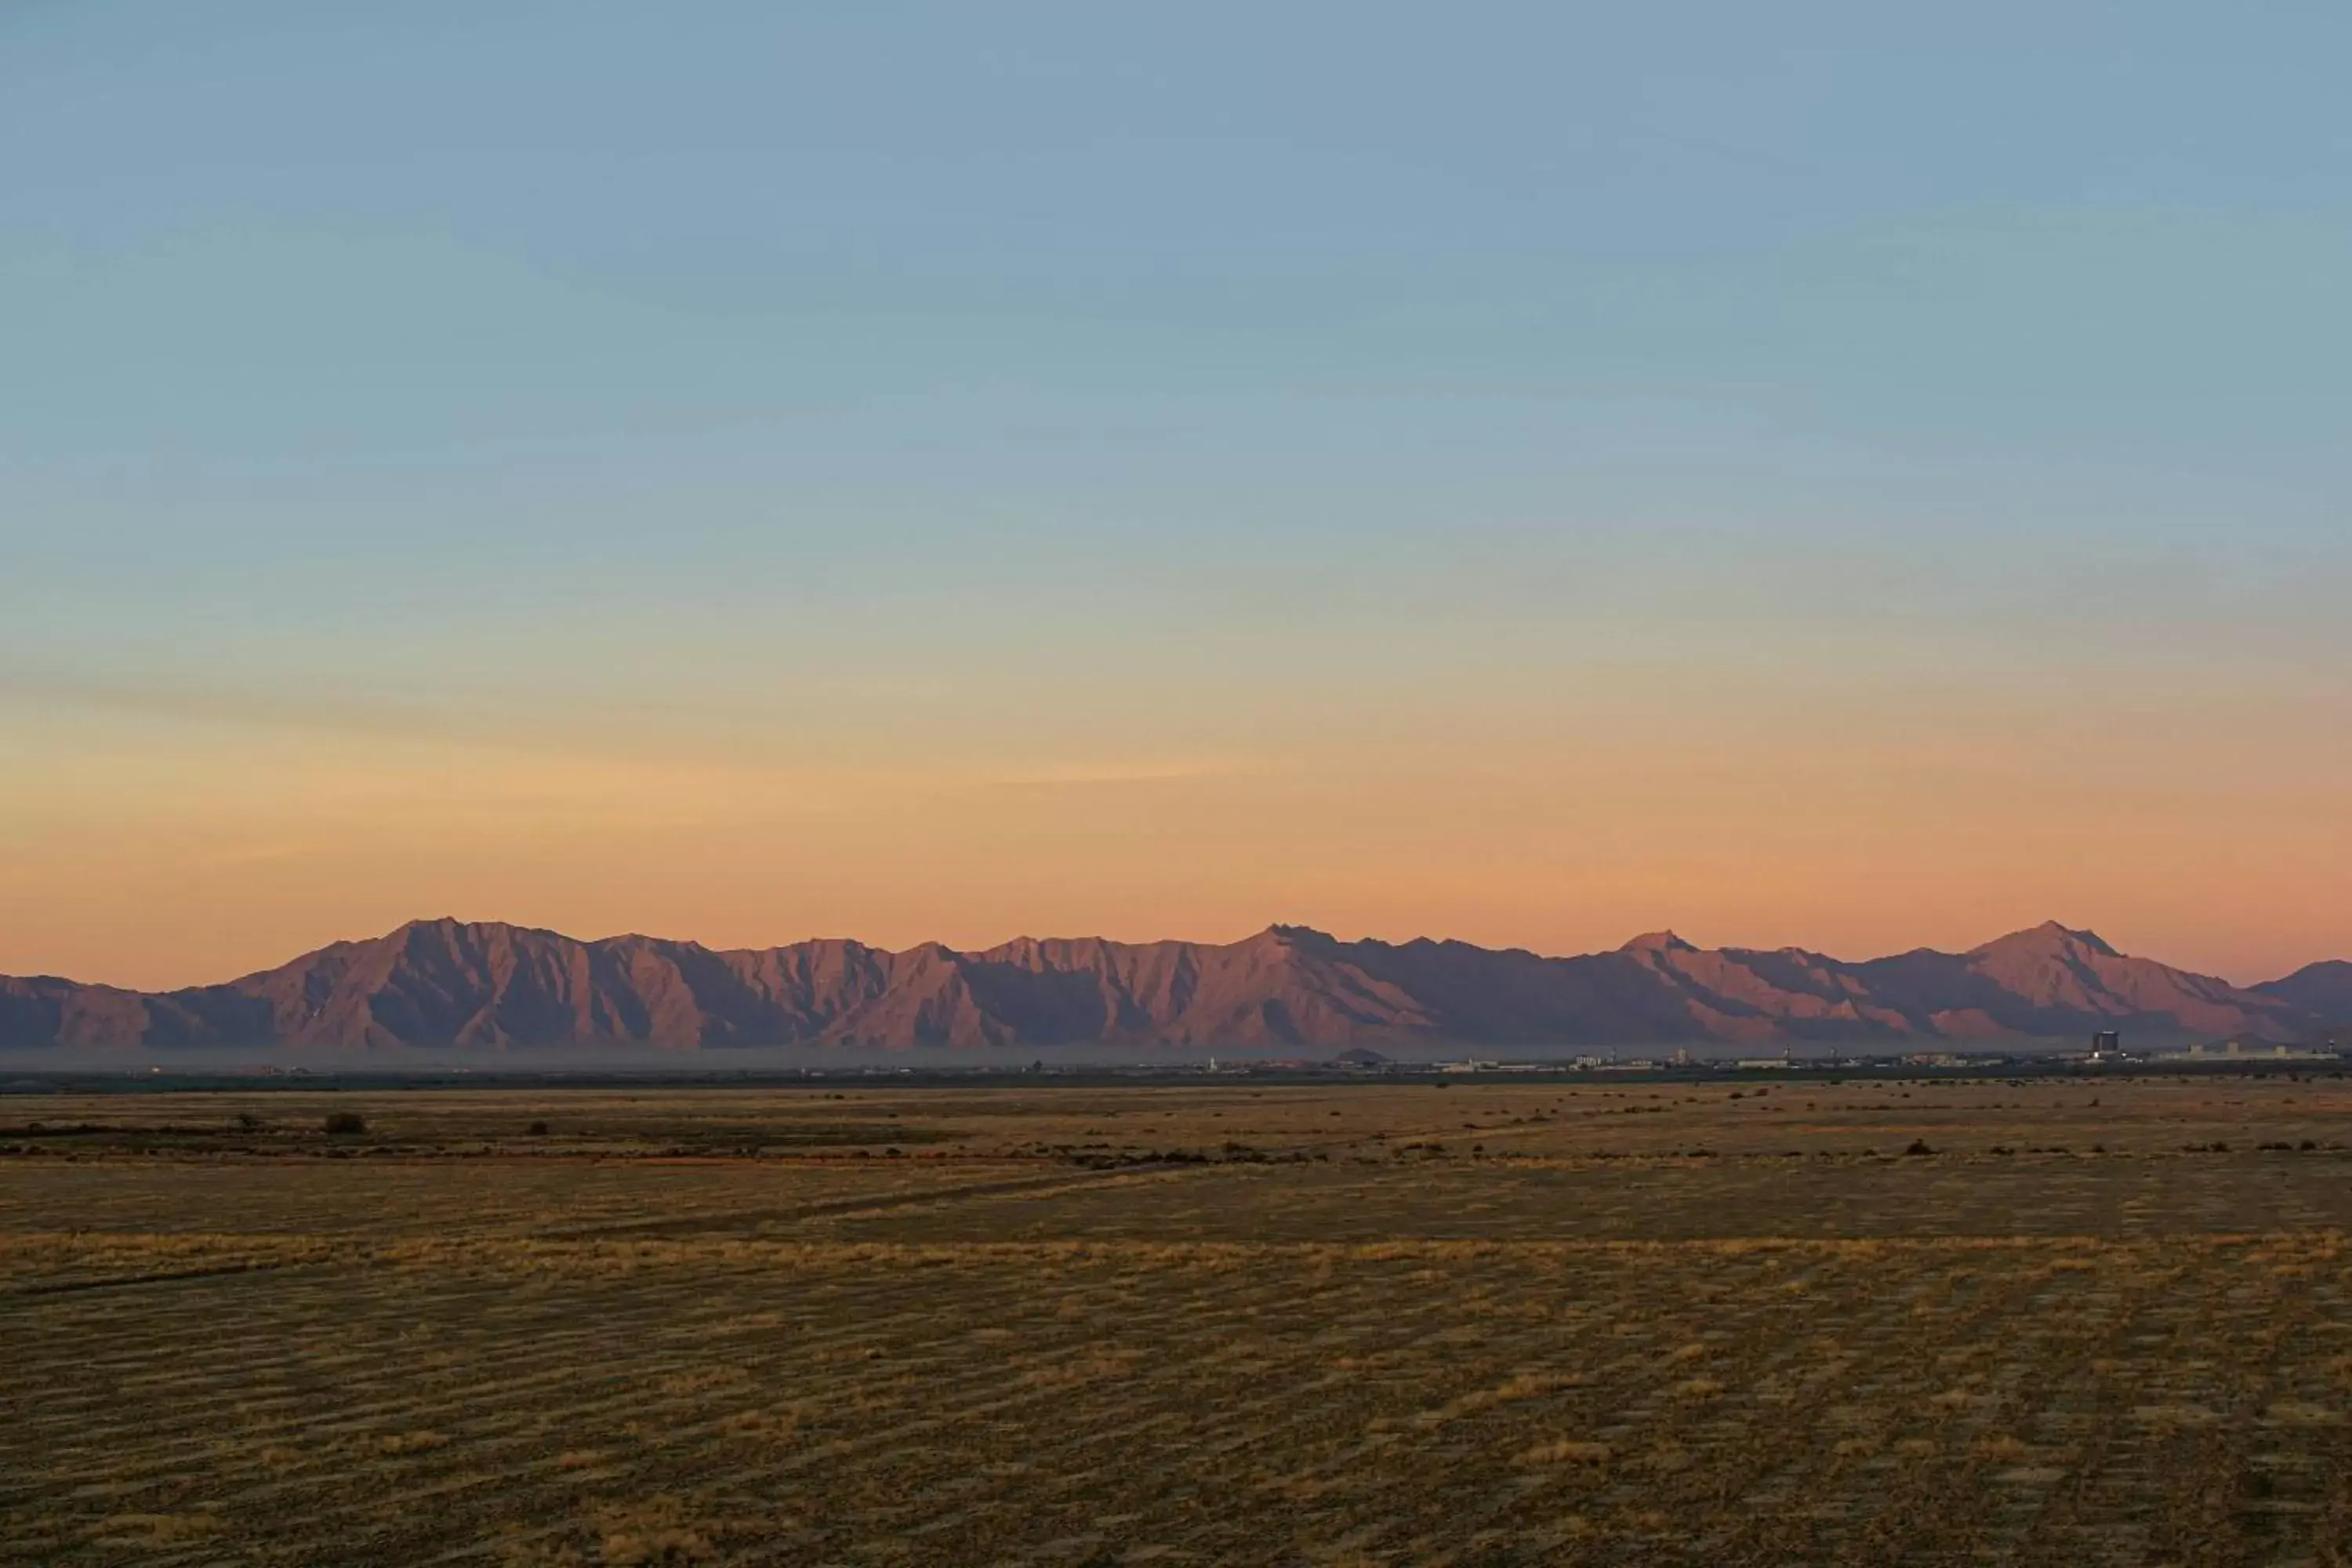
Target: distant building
column 2107, row 1043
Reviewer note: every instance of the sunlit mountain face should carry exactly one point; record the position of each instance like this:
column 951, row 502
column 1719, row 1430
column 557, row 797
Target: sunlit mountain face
column 493, row 987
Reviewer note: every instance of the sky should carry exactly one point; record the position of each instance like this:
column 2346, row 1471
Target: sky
column 1846, row 475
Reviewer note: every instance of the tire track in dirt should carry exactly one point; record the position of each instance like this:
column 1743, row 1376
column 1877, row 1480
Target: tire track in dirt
column 660, row 1226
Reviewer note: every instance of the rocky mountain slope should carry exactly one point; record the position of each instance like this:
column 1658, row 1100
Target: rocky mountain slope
column 497, row 987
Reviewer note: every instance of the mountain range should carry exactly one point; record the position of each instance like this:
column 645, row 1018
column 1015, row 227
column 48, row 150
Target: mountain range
column 496, row 987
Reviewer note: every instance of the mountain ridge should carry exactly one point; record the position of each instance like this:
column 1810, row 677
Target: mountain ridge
column 493, row 986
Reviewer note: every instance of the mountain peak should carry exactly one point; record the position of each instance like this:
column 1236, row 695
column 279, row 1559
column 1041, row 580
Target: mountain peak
column 1657, row 941
column 449, row 925
column 2051, row 936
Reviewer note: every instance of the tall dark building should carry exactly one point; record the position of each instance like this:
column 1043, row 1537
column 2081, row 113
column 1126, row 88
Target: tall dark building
column 2107, row 1043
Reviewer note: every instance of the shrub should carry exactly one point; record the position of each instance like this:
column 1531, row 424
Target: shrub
column 343, row 1122
column 538, row 1129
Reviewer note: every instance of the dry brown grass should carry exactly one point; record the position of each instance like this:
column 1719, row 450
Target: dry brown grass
column 1543, row 1356
column 1567, row 1451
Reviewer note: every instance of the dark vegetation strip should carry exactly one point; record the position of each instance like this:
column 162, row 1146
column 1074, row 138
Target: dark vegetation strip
column 118, row 1281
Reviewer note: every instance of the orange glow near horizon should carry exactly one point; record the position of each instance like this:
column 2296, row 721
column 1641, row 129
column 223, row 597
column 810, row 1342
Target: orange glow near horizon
column 155, row 854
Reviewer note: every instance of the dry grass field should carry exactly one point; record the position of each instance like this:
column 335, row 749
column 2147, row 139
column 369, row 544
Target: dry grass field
column 2057, row 1321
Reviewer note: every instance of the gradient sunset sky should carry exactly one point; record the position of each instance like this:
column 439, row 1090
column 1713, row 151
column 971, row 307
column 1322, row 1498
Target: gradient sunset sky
column 1840, row 474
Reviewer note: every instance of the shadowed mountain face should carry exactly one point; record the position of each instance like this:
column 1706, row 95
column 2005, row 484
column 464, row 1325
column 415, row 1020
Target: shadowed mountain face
column 495, row 987
column 2324, row 990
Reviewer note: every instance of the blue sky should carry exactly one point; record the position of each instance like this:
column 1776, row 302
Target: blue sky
column 1073, row 390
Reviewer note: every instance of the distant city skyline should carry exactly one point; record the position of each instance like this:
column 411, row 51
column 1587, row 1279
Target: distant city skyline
column 1803, row 475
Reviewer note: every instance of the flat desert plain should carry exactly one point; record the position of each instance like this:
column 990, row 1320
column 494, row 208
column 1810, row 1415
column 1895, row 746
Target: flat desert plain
column 2047, row 1320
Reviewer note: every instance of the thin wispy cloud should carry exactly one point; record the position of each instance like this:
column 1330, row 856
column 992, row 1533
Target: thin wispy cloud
column 1111, row 772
